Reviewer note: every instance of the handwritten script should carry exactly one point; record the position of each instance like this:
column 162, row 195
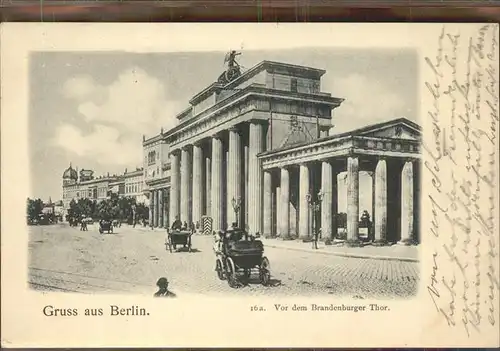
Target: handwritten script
column 461, row 162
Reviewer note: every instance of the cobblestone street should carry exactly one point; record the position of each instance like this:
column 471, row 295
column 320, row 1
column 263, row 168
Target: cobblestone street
column 131, row 260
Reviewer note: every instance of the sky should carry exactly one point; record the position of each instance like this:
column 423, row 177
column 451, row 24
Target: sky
column 92, row 108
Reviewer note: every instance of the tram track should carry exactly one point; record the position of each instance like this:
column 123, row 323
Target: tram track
column 81, row 282
column 51, row 287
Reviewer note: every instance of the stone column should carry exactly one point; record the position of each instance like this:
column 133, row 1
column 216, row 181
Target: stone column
column 185, row 180
column 247, row 186
column 151, row 207
column 407, row 204
column 371, row 230
column 197, row 196
column 303, row 204
column 326, row 203
column 278, row 210
column 268, row 198
column 380, row 202
column 335, row 203
column 285, row 204
column 155, row 212
column 216, row 206
column 165, row 208
column 234, row 176
column 208, row 185
column 256, row 146
column 160, row 208
column 174, row 186
column 352, row 200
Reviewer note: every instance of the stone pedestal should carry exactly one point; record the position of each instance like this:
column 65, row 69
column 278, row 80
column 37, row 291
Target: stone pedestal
column 352, row 201
column 304, row 219
column 407, row 204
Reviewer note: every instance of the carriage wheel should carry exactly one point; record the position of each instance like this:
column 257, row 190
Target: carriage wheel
column 219, row 269
column 246, row 276
column 265, row 272
column 100, row 231
column 175, row 246
column 231, row 272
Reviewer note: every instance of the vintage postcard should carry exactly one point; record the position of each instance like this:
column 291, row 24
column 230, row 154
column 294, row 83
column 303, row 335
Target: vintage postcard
column 325, row 185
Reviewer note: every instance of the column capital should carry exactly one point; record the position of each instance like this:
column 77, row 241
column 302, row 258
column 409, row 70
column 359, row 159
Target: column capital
column 410, row 159
column 234, row 128
column 257, row 121
column 217, row 135
column 198, row 143
column 175, row 152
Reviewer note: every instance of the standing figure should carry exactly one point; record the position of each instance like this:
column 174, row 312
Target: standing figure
column 163, row 291
column 315, row 239
column 231, row 58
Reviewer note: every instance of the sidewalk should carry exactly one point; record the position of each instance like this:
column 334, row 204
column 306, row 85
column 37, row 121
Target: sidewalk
column 390, row 252
column 393, row 252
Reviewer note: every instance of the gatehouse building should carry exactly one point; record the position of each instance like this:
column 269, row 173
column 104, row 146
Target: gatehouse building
column 257, row 148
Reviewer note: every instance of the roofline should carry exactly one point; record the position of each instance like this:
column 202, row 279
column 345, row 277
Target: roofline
column 346, row 134
column 249, row 73
column 256, row 90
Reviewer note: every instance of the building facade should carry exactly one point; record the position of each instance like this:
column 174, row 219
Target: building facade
column 134, row 185
column 258, row 151
column 83, row 185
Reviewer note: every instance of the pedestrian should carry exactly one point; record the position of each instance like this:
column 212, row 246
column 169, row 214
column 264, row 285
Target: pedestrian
column 177, row 225
column 315, row 239
column 163, row 291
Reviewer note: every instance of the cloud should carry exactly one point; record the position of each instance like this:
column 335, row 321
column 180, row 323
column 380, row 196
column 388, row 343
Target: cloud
column 103, row 143
column 117, row 115
column 367, row 101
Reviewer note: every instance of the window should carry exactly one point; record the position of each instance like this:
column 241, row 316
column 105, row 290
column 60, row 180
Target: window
column 152, row 157
column 293, row 85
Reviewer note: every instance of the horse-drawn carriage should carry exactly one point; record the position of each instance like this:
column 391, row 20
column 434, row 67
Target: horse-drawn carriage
column 178, row 237
column 105, row 225
column 237, row 255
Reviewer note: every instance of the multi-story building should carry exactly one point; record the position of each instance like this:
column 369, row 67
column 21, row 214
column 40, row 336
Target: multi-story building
column 83, row 185
column 134, row 185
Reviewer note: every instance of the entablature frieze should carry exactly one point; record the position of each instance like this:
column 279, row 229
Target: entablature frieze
column 240, row 104
column 157, row 183
column 344, row 147
column 211, row 130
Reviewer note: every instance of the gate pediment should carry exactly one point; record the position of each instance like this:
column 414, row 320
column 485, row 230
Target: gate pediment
column 398, row 129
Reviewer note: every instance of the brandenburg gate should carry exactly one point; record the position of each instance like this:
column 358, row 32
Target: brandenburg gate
column 254, row 148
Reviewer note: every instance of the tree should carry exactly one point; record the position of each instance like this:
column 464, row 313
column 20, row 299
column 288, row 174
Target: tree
column 34, row 208
column 73, row 211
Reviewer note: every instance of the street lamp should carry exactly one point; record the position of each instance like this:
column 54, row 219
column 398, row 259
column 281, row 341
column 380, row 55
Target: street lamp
column 236, row 207
column 315, row 206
